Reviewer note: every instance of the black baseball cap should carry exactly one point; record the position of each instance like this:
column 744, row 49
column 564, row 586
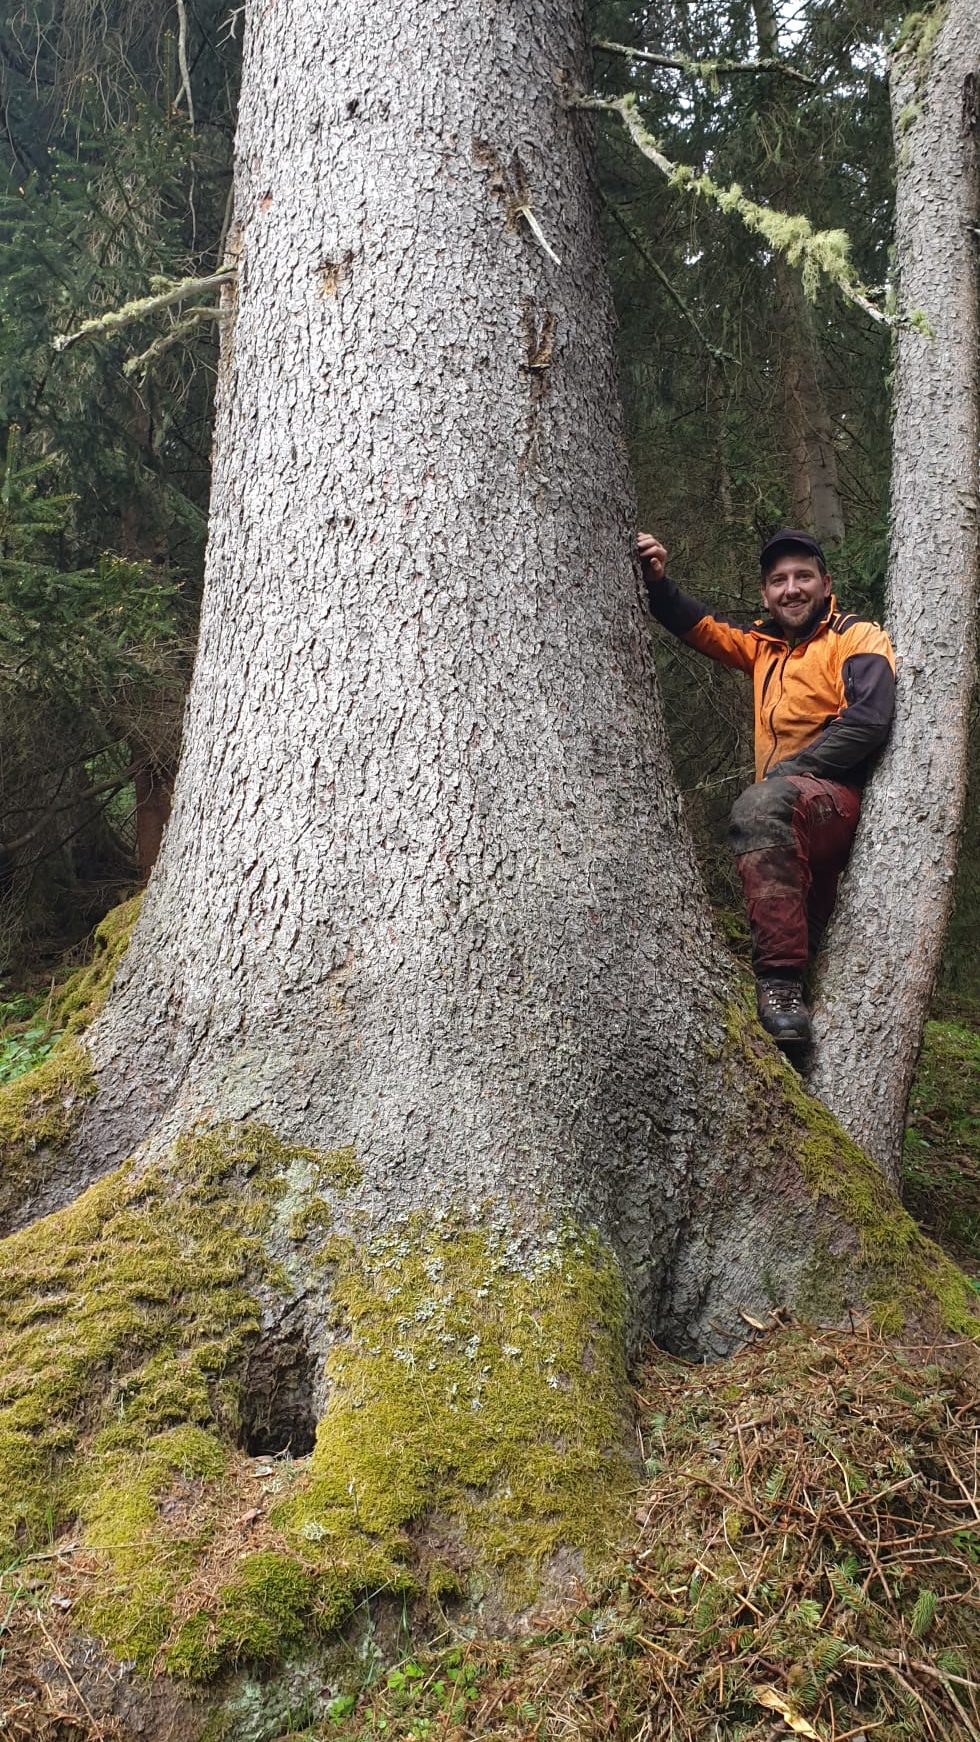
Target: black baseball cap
column 786, row 539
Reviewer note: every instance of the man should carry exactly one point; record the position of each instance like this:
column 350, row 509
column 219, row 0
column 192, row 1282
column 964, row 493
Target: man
column 824, row 696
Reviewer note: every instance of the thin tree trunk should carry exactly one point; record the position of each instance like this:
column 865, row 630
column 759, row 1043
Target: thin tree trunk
column 815, row 485
column 808, row 432
column 884, row 947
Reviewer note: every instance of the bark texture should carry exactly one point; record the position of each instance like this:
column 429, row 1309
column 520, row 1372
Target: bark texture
column 884, row 947
column 435, row 1075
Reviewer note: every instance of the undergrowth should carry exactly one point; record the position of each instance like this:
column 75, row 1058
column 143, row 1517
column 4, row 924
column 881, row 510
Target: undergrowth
column 941, row 1158
column 805, row 1559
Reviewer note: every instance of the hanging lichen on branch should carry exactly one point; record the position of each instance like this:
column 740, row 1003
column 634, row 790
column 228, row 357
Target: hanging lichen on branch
column 817, row 253
column 164, row 295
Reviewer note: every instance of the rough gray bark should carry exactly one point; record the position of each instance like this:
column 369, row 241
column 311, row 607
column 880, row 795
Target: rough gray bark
column 426, row 890
column 884, row 947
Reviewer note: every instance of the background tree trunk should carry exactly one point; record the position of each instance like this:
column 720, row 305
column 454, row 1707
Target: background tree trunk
column 808, row 432
column 809, row 437
column 883, row 949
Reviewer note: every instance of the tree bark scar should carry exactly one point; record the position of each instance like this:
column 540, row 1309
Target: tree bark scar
column 971, row 105
column 334, row 272
column 539, row 329
column 485, row 155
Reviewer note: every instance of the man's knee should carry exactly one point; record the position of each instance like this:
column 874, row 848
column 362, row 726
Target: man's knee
column 762, row 816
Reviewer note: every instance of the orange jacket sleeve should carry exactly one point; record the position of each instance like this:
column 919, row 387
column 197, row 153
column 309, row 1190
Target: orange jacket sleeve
column 692, row 622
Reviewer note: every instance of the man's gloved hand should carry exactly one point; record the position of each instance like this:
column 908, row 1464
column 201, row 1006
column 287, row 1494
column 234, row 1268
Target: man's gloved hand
column 652, row 555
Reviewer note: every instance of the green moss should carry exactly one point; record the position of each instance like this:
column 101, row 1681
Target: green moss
column 468, row 1387
column 941, row 1157
column 896, row 1270
column 39, row 1111
column 264, row 1611
column 917, row 37
column 125, row 1323
column 83, row 995
column 474, row 1393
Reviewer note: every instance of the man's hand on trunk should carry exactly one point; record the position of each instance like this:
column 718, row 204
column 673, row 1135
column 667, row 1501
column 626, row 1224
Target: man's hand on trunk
column 652, row 554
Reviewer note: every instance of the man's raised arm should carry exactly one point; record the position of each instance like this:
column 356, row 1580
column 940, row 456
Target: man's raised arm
column 687, row 618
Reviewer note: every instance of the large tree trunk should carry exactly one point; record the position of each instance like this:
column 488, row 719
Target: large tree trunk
column 883, row 950
column 425, row 908
column 424, row 890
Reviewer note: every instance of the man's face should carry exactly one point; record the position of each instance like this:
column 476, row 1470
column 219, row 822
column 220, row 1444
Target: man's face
column 794, row 592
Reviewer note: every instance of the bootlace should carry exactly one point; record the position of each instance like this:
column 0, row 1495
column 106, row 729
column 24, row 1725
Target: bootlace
column 785, row 995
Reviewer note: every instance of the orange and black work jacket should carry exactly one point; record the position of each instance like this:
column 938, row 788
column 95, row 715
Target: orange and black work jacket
column 823, row 705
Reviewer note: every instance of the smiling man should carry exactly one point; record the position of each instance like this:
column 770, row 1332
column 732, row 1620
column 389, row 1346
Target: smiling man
column 824, row 684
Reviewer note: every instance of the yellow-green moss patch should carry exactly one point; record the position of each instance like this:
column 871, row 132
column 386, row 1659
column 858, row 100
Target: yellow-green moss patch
column 40, row 1110
column 901, row 1274
column 468, row 1387
column 478, row 1408
column 83, row 995
column 125, row 1324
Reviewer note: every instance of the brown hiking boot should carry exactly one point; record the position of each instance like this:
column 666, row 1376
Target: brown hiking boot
column 782, row 1011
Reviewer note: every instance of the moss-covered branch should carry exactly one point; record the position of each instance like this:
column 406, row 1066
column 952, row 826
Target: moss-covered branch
column 702, row 69
column 817, row 253
column 115, row 319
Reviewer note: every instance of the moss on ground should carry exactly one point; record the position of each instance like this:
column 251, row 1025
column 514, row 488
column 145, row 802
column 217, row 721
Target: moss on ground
column 40, row 1110
column 903, row 1277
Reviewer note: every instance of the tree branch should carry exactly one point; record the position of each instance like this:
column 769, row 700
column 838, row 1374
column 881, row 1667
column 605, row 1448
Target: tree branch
column 815, row 252
column 703, row 69
column 141, row 365
column 185, row 75
column 715, row 353
column 143, row 306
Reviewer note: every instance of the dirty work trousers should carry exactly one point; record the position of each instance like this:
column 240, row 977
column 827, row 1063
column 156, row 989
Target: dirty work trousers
column 791, row 835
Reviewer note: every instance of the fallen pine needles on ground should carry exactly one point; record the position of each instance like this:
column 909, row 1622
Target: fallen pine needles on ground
column 805, row 1560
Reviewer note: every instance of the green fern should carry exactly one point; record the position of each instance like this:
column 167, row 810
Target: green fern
column 924, row 1614
column 776, row 1482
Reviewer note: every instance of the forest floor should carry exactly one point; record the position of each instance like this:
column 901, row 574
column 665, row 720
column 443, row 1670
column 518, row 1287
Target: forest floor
column 803, row 1556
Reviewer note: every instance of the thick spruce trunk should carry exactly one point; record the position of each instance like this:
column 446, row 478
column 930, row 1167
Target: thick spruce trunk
column 884, row 948
column 425, row 891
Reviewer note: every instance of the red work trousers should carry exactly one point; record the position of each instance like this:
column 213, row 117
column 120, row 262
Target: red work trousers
column 792, row 836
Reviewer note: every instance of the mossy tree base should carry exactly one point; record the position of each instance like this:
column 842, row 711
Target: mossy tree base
column 473, row 1402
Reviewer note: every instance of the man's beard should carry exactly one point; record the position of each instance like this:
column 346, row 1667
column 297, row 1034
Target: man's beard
column 799, row 631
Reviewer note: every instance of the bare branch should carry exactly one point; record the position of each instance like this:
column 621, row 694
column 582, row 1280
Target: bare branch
column 703, row 69
column 715, row 353
column 185, row 75
column 143, row 306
